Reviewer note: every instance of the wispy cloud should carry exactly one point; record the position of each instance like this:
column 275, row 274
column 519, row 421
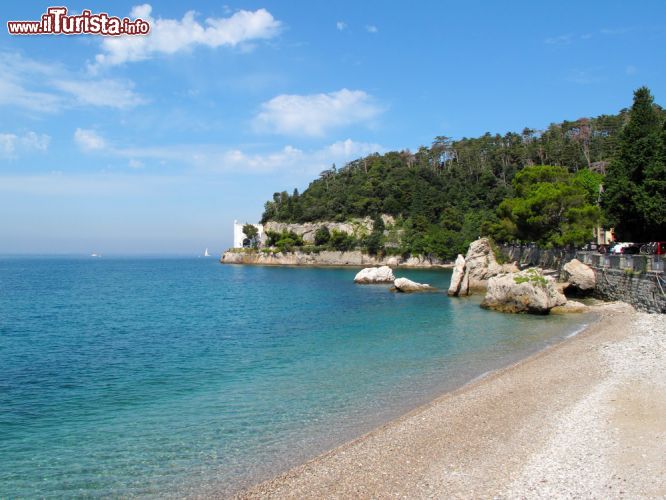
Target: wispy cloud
column 109, row 93
column 88, row 140
column 617, row 31
column 570, row 38
column 315, row 114
column 560, row 40
column 371, row 28
column 341, row 25
column 586, row 76
column 12, row 145
column 49, row 88
column 214, row 158
column 168, row 36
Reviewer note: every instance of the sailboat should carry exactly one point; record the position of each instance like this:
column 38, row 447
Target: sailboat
column 206, row 254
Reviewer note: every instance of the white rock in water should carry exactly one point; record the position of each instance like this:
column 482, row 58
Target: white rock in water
column 579, row 275
column 382, row 274
column 527, row 291
column 481, row 265
column 406, row 285
column 457, row 276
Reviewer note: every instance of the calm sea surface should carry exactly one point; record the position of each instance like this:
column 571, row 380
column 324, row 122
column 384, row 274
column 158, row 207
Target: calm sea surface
column 168, row 377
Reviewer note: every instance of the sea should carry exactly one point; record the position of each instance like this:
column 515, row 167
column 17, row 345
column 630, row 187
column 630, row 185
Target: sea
column 171, row 377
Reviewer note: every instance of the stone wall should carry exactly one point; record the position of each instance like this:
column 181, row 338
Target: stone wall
column 533, row 256
column 637, row 285
column 644, row 291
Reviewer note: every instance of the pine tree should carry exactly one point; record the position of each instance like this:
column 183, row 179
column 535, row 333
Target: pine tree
column 633, row 197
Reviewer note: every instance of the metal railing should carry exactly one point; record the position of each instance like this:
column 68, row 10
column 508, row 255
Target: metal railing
column 636, row 263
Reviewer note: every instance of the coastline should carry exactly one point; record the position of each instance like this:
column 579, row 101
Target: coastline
column 560, row 422
column 327, row 258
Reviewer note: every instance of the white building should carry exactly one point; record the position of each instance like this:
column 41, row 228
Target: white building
column 240, row 240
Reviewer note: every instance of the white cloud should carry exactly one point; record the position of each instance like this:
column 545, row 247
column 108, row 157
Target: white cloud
column 168, row 36
column 134, row 163
column 370, row 28
column 88, row 140
column 11, row 144
column 49, row 88
column 341, row 25
column 316, row 113
column 109, row 93
column 560, row 40
column 287, row 159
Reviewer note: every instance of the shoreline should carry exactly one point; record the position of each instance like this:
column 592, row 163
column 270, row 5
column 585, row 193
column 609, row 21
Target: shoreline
column 487, row 438
column 328, row 258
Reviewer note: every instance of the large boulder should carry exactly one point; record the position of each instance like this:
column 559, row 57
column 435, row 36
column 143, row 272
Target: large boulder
column 481, row 264
column 457, row 276
column 368, row 275
column 406, row 285
column 579, row 276
column 527, row 291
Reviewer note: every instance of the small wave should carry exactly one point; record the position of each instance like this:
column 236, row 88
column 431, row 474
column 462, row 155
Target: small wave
column 577, row 331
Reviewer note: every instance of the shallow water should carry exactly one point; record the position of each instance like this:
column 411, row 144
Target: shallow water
column 163, row 377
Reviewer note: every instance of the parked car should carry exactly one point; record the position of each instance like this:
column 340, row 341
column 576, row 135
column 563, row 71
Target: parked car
column 626, row 248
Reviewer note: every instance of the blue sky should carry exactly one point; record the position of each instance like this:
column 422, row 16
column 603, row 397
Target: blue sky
column 120, row 145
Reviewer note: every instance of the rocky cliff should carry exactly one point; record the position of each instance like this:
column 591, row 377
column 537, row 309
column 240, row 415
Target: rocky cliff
column 355, row 227
column 326, row 258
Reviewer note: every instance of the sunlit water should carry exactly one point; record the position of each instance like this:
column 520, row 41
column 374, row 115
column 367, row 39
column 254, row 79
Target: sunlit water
column 168, row 377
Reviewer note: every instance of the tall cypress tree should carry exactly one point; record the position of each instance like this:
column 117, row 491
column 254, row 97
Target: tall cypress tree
column 633, row 197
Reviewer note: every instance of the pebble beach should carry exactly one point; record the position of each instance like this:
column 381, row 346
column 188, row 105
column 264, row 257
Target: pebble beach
column 582, row 419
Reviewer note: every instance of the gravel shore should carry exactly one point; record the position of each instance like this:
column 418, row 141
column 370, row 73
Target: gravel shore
column 583, row 419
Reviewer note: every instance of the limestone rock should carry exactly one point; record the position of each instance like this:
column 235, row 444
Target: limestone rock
column 570, row 307
column 382, row 274
column 457, row 276
column 580, row 276
column 481, row 265
column 527, row 291
column 392, row 261
column 406, row 285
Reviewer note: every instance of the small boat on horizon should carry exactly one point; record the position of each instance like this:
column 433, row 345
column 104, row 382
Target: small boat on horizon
column 206, row 254
column 95, row 254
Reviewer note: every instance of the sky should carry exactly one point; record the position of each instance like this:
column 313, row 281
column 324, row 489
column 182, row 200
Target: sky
column 156, row 144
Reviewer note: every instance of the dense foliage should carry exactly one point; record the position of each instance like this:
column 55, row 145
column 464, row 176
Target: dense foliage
column 446, row 195
column 550, row 206
column 635, row 187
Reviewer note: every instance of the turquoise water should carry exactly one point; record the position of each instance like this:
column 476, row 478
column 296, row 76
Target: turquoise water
column 168, row 377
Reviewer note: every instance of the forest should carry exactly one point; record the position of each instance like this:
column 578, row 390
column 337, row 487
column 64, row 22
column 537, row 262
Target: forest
column 546, row 186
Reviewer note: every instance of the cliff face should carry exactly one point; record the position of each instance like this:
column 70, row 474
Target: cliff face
column 327, row 258
column 307, row 230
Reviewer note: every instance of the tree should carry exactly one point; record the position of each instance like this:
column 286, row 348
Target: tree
column 322, row 236
column 251, row 233
column 341, row 241
column 635, row 186
column 550, row 207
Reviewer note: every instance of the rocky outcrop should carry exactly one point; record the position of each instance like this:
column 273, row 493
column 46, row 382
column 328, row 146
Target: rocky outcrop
column 481, row 264
column 407, row 285
column 356, row 227
column 472, row 272
column 570, row 307
column 579, row 276
column 371, row 275
column 527, row 291
column 457, row 276
column 326, row 258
